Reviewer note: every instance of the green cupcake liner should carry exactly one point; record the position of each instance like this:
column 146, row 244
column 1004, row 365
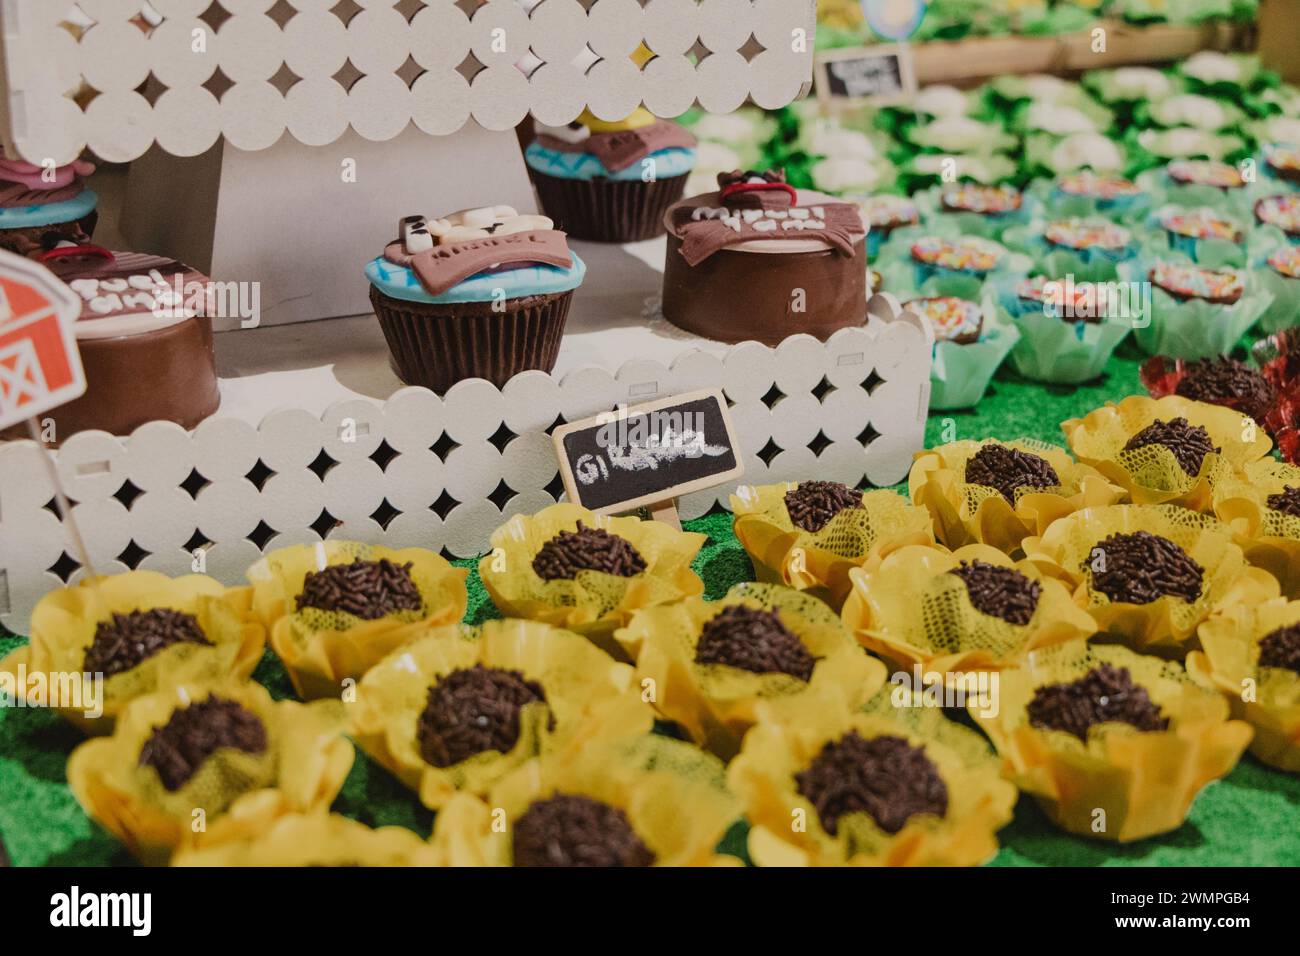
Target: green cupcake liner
column 1054, row 350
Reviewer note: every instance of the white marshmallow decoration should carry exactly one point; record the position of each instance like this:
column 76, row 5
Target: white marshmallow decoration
column 415, row 235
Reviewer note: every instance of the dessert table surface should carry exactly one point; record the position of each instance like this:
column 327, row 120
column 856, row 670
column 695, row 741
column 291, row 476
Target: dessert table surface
column 1246, row 819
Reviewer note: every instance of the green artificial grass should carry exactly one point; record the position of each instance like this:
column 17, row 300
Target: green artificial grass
column 1246, row 819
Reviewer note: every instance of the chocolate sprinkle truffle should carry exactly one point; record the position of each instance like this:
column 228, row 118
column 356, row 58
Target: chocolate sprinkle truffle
column 1102, row 695
column 365, row 589
column 587, row 549
column 569, row 830
column 1281, row 648
column 473, row 710
column 1141, row 567
column 753, row 640
column 814, row 503
column 1000, row 592
column 125, row 640
column 1189, row 443
column 178, row 748
column 885, row 777
column 1007, row 470
column 1225, row 381
column 1286, row 501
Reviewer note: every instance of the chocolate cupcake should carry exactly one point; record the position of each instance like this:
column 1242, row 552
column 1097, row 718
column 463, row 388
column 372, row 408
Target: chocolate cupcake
column 483, row 293
column 1186, row 282
column 762, row 260
column 968, row 255
column 954, row 320
column 41, row 207
column 1226, row 381
column 611, row 182
column 145, row 339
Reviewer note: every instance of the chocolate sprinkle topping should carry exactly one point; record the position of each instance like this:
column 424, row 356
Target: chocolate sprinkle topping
column 1189, row 443
column 125, row 640
column 884, row 777
column 178, row 748
column 1141, row 567
column 365, row 589
column 1103, row 694
column 1286, row 501
column 569, row 830
column 587, row 549
column 1281, row 648
column 753, row 640
column 473, row 710
column 1225, row 381
column 1007, row 470
column 1000, row 592
column 814, row 503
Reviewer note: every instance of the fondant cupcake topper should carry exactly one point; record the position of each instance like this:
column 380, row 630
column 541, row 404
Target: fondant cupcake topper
column 752, row 190
column 617, row 150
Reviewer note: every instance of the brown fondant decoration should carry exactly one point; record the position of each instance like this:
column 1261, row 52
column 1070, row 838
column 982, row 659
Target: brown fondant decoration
column 703, row 238
column 124, row 266
column 620, row 150
column 16, row 195
column 443, row 267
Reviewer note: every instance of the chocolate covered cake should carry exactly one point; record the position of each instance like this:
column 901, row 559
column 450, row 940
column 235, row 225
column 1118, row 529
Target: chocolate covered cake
column 144, row 337
column 761, row 260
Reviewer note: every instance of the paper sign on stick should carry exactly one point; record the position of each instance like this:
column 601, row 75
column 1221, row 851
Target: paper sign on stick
column 40, row 367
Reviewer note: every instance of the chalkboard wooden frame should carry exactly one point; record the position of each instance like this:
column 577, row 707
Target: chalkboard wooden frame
column 573, row 489
column 901, row 52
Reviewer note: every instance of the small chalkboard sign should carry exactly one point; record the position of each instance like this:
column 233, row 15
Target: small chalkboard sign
column 880, row 74
column 649, row 454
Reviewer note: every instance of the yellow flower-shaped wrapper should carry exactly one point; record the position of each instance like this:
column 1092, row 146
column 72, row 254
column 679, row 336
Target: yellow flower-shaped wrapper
column 322, row 649
column 593, row 603
column 717, row 703
column 317, row 839
column 1270, row 538
column 1151, row 474
column 588, row 696
column 911, row 610
column 302, row 769
column 1122, row 784
column 819, row 562
column 673, row 795
column 966, row 513
column 787, row 831
column 63, row 629
column 1268, row 698
column 1167, row 625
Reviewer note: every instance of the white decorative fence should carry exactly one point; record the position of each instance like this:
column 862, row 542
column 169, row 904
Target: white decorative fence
column 250, row 70
column 440, row 473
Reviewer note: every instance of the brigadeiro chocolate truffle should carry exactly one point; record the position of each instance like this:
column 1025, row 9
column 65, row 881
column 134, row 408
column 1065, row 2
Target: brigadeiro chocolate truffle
column 125, row 640
column 1141, row 567
column 1188, row 443
column 1286, row 501
column 473, row 710
column 753, row 640
column 587, row 549
column 1007, row 470
column 1105, row 694
column 813, row 504
column 1226, row 381
column 179, row 747
column 999, row 592
column 572, row 830
column 365, row 589
column 1281, row 648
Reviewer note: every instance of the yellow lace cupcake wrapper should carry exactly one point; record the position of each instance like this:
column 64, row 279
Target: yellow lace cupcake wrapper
column 323, row 649
column 966, row 513
column 588, row 696
column 1270, row 538
column 1152, row 475
column 593, row 604
column 674, row 796
column 715, row 703
column 1168, row 624
column 63, row 629
column 820, row 562
column 232, row 794
column 1122, row 784
column 911, row 610
column 1268, row 698
column 317, row 839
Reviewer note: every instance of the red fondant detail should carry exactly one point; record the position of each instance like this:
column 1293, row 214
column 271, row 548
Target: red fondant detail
column 75, row 252
column 740, row 188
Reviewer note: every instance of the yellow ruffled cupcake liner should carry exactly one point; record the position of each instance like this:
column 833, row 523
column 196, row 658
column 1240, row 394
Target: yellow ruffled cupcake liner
column 784, row 826
column 967, row 513
column 232, row 795
column 912, row 611
column 589, row 696
column 321, row 650
column 1151, row 475
column 594, row 603
column 819, row 562
column 1167, row 625
column 715, row 703
column 63, row 629
column 1268, row 698
column 674, row 796
column 1269, row 538
column 317, row 839
column 1123, row 784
